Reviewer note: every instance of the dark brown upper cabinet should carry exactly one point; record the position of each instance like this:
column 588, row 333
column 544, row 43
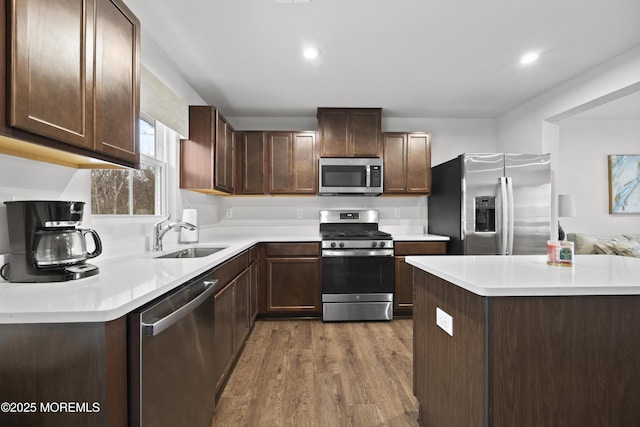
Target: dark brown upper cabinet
column 74, row 76
column 350, row 132
column 251, row 162
column 224, row 156
column 292, row 163
column 407, row 162
column 207, row 158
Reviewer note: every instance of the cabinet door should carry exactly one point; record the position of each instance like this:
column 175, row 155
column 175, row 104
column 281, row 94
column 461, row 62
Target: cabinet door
column 252, row 165
column 292, row 163
column 220, row 154
column 304, row 165
column 333, row 126
column 241, row 314
column 196, row 153
column 253, row 292
column 403, row 281
column 224, row 319
column 117, row 84
column 280, row 162
column 395, row 162
column 293, row 285
column 403, row 286
column 223, row 154
column 418, row 163
column 349, row 132
column 51, row 69
column 407, row 162
column 365, row 132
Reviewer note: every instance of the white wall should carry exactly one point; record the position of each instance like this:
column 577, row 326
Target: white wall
column 22, row 179
column 533, row 127
column 402, row 214
column 523, row 129
column 584, row 147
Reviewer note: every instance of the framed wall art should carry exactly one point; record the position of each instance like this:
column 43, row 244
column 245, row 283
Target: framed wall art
column 624, row 183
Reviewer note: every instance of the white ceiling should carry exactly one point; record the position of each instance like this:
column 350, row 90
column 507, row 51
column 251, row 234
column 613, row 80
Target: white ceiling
column 413, row 58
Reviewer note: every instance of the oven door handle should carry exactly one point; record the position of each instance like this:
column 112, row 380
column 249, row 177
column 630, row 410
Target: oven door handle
column 357, row 253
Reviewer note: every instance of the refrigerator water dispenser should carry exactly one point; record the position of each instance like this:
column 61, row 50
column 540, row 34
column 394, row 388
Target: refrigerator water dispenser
column 485, row 214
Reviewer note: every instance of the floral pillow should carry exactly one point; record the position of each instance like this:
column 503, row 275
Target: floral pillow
column 586, row 243
column 606, row 248
column 627, row 249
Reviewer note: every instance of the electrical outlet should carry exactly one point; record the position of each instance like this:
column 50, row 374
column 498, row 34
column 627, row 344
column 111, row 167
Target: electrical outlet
column 444, row 320
column 300, row 214
column 396, row 212
column 229, row 213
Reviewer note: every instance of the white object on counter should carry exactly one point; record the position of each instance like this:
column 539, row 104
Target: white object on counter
column 189, row 236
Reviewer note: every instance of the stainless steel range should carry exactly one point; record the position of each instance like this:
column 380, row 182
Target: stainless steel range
column 357, row 266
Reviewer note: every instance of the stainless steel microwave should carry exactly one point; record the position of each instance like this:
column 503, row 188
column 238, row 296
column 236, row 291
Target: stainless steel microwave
column 350, row 176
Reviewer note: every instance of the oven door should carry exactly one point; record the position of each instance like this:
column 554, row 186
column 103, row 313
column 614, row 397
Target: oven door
column 357, row 288
column 357, row 274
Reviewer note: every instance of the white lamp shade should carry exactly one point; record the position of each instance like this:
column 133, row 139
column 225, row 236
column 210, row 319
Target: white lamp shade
column 566, row 205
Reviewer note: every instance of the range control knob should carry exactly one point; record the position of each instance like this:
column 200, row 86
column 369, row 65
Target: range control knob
column 333, row 244
column 374, row 244
column 342, row 244
column 382, row 244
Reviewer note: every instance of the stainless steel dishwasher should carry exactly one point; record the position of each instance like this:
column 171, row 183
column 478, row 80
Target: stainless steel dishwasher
column 171, row 372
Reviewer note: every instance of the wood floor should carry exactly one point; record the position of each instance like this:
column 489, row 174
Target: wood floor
column 310, row 373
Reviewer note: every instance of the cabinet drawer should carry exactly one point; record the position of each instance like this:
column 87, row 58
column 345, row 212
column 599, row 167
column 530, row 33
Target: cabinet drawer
column 420, row 248
column 226, row 272
column 293, row 249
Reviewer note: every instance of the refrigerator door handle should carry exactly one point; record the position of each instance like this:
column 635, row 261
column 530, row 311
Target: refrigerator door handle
column 504, row 215
column 511, row 220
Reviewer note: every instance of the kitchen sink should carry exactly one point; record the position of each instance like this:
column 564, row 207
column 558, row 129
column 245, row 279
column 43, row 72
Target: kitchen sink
column 195, row 252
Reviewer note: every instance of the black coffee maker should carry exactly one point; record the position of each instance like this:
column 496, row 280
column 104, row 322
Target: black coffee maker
column 46, row 243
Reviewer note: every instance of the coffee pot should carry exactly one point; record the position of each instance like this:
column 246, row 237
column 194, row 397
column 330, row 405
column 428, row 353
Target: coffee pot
column 46, row 243
column 59, row 248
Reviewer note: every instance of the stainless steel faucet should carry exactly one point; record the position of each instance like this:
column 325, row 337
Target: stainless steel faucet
column 159, row 231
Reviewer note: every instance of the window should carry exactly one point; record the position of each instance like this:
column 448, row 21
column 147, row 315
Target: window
column 133, row 192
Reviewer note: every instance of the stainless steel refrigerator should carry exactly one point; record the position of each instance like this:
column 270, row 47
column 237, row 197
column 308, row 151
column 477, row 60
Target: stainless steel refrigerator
column 495, row 203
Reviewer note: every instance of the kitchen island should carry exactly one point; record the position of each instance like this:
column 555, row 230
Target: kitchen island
column 512, row 341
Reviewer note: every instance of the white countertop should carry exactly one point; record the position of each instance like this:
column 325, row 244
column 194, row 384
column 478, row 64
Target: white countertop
column 126, row 282
column 529, row 275
column 406, row 237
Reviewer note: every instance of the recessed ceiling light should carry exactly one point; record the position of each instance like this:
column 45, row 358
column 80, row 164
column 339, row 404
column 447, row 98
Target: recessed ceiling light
column 529, row 58
column 311, row 52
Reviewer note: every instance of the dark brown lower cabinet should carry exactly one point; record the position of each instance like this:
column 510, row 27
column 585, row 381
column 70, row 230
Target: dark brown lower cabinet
column 253, row 285
column 241, row 323
column 232, row 314
column 43, row 367
column 293, row 278
column 224, row 318
column 570, row 361
column 403, row 280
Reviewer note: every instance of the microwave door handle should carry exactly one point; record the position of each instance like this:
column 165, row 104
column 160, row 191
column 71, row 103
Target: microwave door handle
column 368, row 176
